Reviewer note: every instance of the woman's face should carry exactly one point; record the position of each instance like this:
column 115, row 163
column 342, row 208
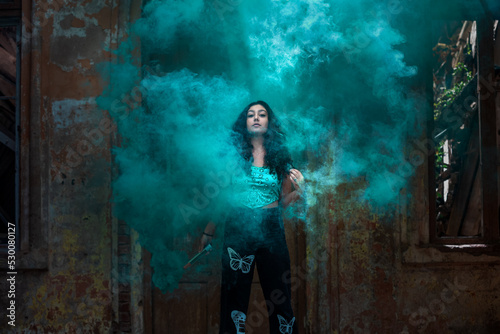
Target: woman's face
column 257, row 120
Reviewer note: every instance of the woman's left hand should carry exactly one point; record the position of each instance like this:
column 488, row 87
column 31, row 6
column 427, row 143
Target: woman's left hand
column 297, row 179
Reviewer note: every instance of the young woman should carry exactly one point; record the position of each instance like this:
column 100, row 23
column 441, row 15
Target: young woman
column 254, row 232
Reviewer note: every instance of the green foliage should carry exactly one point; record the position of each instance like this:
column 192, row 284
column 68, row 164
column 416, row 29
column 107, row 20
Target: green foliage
column 449, row 95
column 439, row 154
column 445, row 100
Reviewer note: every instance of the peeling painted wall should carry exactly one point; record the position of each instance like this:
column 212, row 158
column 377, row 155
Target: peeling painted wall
column 71, row 290
column 365, row 277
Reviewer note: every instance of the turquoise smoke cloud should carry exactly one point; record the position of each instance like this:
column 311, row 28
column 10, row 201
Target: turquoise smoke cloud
column 329, row 69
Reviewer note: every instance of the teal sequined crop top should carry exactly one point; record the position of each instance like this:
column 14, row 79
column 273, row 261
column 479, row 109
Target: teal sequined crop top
column 258, row 189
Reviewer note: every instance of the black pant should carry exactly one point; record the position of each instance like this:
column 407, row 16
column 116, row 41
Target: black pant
column 255, row 236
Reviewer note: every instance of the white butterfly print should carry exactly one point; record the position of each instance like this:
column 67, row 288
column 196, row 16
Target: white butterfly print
column 239, row 321
column 237, row 262
column 285, row 327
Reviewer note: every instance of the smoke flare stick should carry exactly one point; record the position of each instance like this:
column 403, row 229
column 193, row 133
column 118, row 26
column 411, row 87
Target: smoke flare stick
column 208, row 248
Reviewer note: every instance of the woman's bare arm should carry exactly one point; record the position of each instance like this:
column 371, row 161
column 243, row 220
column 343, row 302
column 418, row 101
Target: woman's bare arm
column 294, row 179
column 208, row 234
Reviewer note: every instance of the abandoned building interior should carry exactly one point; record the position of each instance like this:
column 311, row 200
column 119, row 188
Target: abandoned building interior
column 427, row 263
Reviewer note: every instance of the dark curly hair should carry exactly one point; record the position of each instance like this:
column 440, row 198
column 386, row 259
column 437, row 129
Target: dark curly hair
column 277, row 157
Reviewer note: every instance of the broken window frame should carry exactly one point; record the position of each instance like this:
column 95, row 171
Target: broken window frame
column 13, row 21
column 32, row 243
column 10, row 8
column 487, row 120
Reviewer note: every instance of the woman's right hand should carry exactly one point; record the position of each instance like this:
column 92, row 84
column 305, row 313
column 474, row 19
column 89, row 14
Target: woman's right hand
column 204, row 241
column 207, row 236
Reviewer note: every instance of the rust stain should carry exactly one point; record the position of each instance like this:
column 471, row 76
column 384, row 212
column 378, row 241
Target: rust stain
column 77, row 23
column 66, row 300
column 85, row 63
column 103, row 17
column 70, row 85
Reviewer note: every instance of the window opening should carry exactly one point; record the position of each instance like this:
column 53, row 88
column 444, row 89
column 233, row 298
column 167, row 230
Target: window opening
column 457, row 184
column 9, row 123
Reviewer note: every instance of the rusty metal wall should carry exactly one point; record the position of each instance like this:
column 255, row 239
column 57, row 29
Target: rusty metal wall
column 68, row 272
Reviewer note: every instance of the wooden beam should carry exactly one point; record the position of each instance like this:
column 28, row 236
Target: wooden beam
column 7, row 87
column 471, row 224
column 7, row 141
column 13, row 4
column 487, row 128
column 9, row 12
column 428, row 231
column 467, row 177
